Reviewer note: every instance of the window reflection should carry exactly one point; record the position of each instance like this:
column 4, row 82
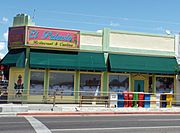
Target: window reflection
column 37, row 83
column 164, row 85
column 118, row 83
column 62, row 83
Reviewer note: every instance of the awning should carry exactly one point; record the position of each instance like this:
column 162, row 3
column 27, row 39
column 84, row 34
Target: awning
column 67, row 60
column 15, row 57
column 143, row 64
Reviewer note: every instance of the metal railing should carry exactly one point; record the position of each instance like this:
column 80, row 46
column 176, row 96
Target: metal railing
column 77, row 97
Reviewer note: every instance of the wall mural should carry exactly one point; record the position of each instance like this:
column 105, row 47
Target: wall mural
column 18, row 86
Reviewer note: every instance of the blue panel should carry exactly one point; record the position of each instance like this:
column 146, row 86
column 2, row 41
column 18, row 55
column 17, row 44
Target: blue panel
column 120, row 103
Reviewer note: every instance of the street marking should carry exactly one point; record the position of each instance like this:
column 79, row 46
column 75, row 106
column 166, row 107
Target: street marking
column 37, row 125
column 118, row 128
column 129, row 120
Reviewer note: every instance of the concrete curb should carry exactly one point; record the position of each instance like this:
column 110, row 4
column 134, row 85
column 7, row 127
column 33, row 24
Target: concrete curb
column 88, row 113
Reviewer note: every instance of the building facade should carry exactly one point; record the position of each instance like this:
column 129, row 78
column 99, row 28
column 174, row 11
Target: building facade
column 70, row 63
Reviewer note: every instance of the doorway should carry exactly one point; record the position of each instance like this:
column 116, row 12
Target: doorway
column 138, row 85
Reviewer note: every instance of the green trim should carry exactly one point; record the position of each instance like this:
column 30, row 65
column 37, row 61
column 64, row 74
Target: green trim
column 131, row 82
column 142, row 34
column 26, row 76
column 90, row 48
column 90, row 33
column 77, row 85
column 154, row 83
column 105, row 83
column 106, row 38
column 46, row 85
column 141, row 51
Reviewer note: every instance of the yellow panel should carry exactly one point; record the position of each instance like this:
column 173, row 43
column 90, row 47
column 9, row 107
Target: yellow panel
column 14, row 73
column 37, row 99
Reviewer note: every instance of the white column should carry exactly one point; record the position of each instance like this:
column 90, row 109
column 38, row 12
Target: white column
column 178, row 90
column 177, row 48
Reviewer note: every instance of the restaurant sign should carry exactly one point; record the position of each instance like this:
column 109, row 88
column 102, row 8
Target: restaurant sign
column 57, row 38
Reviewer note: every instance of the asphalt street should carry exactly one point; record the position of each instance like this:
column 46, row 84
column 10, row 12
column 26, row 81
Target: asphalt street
column 91, row 124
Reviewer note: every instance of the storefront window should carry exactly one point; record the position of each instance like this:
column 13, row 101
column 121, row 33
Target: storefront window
column 118, row 83
column 90, row 84
column 164, row 85
column 62, row 83
column 37, row 83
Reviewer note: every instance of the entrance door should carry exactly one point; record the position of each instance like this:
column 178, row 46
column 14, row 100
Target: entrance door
column 138, row 85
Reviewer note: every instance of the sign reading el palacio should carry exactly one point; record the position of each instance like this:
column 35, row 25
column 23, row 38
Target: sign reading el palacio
column 43, row 37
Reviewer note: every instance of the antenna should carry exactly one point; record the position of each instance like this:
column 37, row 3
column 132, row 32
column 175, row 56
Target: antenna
column 33, row 14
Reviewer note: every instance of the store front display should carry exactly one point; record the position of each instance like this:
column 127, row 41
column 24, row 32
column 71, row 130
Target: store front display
column 75, row 63
column 61, row 83
column 90, row 84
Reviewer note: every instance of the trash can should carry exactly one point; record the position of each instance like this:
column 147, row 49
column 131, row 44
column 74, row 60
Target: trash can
column 130, row 102
column 153, row 101
column 169, row 99
column 140, row 100
column 126, row 98
column 147, row 100
column 120, row 102
column 135, row 100
column 163, row 102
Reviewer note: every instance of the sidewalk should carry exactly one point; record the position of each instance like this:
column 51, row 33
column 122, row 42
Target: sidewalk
column 73, row 109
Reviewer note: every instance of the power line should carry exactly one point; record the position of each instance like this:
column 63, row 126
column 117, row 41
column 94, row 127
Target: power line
column 107, row 25
column 115, row 18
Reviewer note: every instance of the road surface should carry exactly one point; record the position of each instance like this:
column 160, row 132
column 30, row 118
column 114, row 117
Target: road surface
column 91, row 124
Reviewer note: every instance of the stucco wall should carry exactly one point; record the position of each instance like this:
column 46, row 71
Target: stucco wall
column 140, row 41
column 91, row 40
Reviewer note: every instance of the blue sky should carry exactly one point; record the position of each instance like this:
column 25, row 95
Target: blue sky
column 151, row 16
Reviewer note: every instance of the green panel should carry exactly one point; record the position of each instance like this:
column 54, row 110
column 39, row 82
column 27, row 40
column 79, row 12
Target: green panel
column 144, row 64
column 106, row 38
column 15, row 57
column 46, row 86
column 77, row 85
column 105, row 82
column 62, row 60
column 91, row 48
column 142, row 51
